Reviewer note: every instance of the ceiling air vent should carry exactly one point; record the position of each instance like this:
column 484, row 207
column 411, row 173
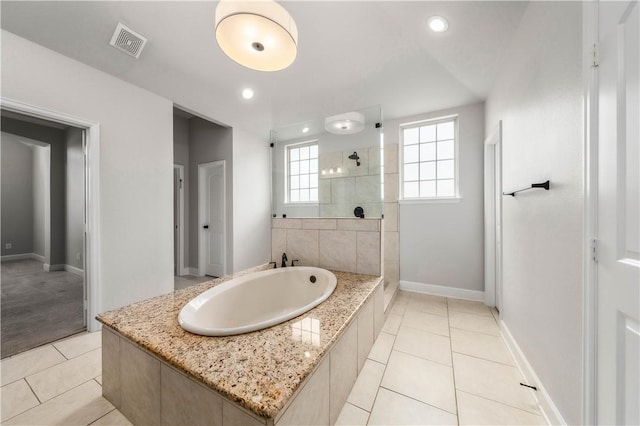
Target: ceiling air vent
column 128, row 41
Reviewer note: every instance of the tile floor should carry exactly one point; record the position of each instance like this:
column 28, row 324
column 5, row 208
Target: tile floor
column 184, row 281
column 437, row 361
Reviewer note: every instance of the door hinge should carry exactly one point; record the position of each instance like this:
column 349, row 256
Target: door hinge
column 595, row 56
column 594, row 250
column 180, row 183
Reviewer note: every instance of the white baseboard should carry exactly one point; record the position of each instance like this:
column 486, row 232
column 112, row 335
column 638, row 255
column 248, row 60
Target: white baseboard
column 439, row 290
column 75, row 271
column 51, row 268
column 22, row 256
column 549, row 410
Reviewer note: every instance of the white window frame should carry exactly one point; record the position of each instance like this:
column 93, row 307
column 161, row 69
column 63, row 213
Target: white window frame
column 456, row 179
column 287, row 177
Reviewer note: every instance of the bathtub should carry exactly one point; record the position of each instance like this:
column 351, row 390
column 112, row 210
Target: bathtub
column 256, row 301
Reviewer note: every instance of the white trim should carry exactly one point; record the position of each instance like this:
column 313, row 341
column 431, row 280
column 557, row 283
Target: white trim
column 92, row 197
column 439, row 290
column 201, row 211
column 53, row 268
column 22, row 256
column 181, row 270
column 590, row 223
column 75, row 271
column 547, row 406
column 492, row 216
column 443, row 200
column 38, row 257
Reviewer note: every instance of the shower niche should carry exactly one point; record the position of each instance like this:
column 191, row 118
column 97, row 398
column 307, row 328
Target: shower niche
column 329, row 167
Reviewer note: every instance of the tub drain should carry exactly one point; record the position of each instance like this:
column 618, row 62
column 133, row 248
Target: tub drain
column 312, row 278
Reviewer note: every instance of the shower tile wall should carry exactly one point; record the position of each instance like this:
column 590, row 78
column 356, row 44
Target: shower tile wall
column 350, row 245
column 390, row 223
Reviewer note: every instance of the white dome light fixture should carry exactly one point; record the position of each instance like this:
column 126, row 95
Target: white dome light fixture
column 438, row 24
column 344, row 124
column 247, row 93
column 258, row 34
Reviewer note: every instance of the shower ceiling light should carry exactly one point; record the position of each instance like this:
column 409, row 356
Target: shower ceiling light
column 344, row 124
column 258, row 34
column 438, row 24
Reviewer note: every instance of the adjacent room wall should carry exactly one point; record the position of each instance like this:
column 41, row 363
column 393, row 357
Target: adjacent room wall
column 209, row 142
column 442, row 243
column 538, row 97
column 136, row 248
column 41, row 201
column 17, row 201
column 181, row 157
column 74, row 183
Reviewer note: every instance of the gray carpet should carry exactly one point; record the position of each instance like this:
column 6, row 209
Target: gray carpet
column 38, row 307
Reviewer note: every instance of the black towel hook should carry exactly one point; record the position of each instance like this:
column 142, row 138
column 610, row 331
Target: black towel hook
column 544, row 185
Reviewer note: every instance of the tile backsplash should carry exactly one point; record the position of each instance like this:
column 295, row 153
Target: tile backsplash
column 350, row 245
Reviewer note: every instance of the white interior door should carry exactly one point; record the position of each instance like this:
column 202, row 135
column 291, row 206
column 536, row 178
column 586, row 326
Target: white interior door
column 212, row 197
column 618, row 268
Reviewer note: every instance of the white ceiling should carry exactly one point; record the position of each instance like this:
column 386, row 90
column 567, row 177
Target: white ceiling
column 351, row 54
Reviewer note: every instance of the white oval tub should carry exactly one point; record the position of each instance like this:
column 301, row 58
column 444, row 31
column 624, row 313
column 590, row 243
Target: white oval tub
column 256, row 301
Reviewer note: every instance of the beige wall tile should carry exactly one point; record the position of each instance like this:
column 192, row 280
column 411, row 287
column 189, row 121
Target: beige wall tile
column 391, row 158
column 390, row 217
column 421, row 379
column 368, row 253
column 338, row 250
column 234, row 416
column 364, row 391
column 378, row 310
column 391, row 188
column 344, row 369
column 374, row 160
column 393, row 409
column 278, row 243
column 359, row 224
column 324, row 191
column 343, row 189
column 391, row 257
column 60, row 378
column 311, row 406
column 139, row 384
column 17, row 398
column 302, row 244
column 80, row 344
column 30, row 362
column 111, row 366
column 368, row 189
column 286, row 223
column 365, row 331
column 350, row 167
column 183, row 401
column 319, row 223
column 79, row 406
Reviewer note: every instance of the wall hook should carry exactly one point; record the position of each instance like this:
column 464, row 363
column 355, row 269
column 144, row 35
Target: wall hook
column 544, row 185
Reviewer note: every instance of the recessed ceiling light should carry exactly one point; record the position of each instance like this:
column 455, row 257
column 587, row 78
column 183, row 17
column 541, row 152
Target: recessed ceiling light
column 438, row 24
column 247, row 93
column 305, row 130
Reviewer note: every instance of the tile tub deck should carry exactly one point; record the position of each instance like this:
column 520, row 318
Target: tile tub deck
column 256, row 373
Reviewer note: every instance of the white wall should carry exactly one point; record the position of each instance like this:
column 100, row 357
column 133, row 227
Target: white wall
column 74, row 199
column 251, row 200
column 442, row 243
column 538, row 97
column 17, row 198
column 135, row 162
column 181, row 156
column 41, row 169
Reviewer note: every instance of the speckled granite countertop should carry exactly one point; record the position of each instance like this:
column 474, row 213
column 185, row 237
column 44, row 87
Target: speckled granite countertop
column 259, row 370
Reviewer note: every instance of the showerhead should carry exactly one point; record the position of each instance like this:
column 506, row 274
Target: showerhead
column 354, row 156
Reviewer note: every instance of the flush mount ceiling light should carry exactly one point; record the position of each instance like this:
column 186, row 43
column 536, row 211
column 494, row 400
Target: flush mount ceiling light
column 438, row 24
column 258, row 34
column 247, row 93
column 305, row 130
column 344, row 124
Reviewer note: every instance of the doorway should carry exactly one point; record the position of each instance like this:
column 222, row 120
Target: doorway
column 493, row 218
column 43, row 232
column 178, row 220
column 212, row 220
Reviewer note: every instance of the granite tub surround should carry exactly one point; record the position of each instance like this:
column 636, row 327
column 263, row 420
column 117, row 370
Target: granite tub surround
column 255, row 378
column 340, row 244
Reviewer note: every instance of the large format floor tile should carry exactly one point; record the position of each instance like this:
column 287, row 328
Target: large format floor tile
column 424, row 345
column 492, row 380
column 391, row 408
column 428, row 304
column 352, row 416
column 426, row 322
column 364, row 391
column 114, row 418
column 474, row 410
column 79, row 406
column 469, row 307
column 421, row 379
column 79, row 344
column 392, row 324
column 473, row 322
column 382, row 348
column 16, row 398
column 30, row 362
column 63, row 377
column 480, row 345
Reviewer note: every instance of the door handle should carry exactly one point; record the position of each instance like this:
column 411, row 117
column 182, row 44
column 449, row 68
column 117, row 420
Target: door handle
column 206, row 226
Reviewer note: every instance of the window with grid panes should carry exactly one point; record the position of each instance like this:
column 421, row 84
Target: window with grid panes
column 429, row 163
column 302, row 173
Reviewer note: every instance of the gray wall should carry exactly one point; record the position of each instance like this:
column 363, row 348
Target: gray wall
column 181, row 156
column 17, row 187
column 74, row 211
column 442, row 243
column 41, row 200
column 209, row 142
column 538, row 97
